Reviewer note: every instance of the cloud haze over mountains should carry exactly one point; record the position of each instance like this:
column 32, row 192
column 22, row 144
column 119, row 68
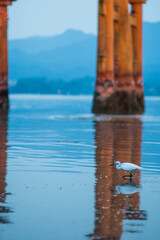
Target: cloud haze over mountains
column 72, row 55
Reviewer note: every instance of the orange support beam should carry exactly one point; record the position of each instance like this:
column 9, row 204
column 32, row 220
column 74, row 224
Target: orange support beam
column 3, row 54
column 137, row 35
column 119, row 85
column 105, row 63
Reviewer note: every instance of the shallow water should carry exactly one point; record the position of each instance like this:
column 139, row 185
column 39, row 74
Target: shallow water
column 55, row 182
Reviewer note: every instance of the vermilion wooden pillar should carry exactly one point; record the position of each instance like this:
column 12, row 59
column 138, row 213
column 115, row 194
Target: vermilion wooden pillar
column 119, row 85
column 3, row 53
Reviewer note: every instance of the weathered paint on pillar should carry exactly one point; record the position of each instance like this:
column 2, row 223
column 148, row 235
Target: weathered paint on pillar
column 3, row 53
column 105, row 55
column 119, row 85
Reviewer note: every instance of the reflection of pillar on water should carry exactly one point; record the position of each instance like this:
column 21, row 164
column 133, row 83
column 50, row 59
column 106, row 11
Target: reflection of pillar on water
column 3, row 165
column 116, row 199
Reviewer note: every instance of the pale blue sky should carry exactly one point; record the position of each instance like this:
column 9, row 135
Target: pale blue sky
column 50, row 17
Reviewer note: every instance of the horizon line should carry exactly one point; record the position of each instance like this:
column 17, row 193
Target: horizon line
column 63, row 32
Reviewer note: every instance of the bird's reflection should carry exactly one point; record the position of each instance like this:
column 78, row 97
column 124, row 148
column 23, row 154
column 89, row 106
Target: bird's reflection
column 126, row 188
column 116, row 199
column 3, row 166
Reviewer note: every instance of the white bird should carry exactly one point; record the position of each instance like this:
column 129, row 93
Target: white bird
column 129, row 167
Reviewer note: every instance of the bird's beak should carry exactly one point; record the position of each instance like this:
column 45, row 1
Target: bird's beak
column 112, row 165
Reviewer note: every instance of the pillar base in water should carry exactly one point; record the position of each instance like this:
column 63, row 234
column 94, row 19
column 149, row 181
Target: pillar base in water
column 119, row 101
column 4, row 101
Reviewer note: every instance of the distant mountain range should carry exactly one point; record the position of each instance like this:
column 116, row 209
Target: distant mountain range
column 71, row 56
column 67, row 56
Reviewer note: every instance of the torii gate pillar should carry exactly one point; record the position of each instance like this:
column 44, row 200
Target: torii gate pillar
column 4, row 53
column 119, row 84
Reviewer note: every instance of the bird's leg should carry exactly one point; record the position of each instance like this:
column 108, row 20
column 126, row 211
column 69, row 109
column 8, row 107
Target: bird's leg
column 130, row 177
column 123, row 177
column 112, row 190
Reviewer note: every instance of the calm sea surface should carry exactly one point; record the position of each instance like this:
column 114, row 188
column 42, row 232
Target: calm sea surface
column 55, row 179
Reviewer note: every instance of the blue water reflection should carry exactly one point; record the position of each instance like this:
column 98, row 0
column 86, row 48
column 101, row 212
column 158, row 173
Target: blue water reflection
column 55, row 179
